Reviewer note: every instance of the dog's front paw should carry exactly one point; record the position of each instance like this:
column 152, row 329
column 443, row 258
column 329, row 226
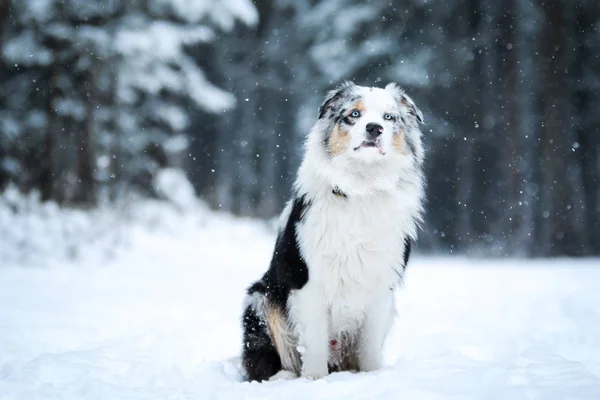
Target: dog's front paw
column 314, row 364
column 314, row 371
column 314, row 375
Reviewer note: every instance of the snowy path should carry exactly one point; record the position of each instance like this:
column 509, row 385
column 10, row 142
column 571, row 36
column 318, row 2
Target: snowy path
column 162, row 322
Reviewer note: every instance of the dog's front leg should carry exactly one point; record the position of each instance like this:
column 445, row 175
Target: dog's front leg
column 377, row 324
column 309, row 312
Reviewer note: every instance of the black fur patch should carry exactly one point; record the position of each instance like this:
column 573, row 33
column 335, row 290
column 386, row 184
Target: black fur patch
column 337, row 191
column 348, row 121
column 407, row 250
column 259, row 356
column 287, row 271
column 330, row 102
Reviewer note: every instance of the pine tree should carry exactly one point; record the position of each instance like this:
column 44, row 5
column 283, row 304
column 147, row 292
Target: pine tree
column 99, row 94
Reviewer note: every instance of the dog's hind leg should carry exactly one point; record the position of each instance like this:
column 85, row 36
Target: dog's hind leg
column 269, row 344
column 259, row 356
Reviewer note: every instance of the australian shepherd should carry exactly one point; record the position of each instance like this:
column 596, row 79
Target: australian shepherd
column 326, row 303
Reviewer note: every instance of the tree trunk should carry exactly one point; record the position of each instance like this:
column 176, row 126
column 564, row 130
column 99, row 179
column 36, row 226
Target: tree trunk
column 486, row 197
column 86, row 191
column 558, row 227
column 4, row 6
column 47, row 171
column 587, row 103
column 465, row 161
column 515, row 230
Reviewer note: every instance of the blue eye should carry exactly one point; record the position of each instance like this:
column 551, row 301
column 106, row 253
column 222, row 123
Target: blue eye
column 355, row 114
column 388, row 117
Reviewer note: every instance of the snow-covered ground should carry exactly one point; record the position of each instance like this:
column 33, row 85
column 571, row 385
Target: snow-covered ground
column 159, row 319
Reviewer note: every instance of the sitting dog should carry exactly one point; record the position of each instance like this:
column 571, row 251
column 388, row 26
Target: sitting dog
column 326, row 302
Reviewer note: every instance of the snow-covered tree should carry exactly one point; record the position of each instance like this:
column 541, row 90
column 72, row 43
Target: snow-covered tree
column 112, row 79
column 158, row 82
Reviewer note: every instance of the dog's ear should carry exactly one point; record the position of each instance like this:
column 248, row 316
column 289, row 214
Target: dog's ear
column 334, row 96
column 405, row 101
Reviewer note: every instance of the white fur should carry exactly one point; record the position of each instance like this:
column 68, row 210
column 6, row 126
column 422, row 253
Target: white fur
column 377, row 323
column 308, row 311
column 353, row 245
column 285, row 215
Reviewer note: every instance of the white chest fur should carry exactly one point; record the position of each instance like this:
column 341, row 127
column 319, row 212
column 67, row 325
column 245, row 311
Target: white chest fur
column 353, row 248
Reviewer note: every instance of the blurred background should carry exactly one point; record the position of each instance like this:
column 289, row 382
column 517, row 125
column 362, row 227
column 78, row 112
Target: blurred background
column 99, row 98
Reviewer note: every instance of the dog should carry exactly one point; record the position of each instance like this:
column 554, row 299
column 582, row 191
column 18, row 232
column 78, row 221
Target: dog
column 326, row 303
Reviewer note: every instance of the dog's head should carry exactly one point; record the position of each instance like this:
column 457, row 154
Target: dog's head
column 371, row 125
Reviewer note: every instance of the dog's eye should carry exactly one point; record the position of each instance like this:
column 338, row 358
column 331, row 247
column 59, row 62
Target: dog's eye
column 355, row 113
column 388, row 117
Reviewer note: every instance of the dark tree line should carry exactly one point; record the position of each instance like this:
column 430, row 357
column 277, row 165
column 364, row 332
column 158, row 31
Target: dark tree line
column 509, row 89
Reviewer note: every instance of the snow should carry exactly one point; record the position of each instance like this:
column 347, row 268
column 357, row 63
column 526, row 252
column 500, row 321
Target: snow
column 155, row 60
column 160, row 37
column 40, row 10
column 160, row 319
column 223, row 13
column 24, row 49
column 173, row 184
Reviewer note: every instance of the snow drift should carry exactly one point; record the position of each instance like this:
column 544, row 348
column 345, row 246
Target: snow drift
column 159, row 319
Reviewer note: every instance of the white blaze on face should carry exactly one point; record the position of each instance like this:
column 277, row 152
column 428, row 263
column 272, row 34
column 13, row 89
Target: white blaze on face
column 375, row 103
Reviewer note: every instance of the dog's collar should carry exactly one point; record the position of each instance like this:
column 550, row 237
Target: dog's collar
column 336, row 191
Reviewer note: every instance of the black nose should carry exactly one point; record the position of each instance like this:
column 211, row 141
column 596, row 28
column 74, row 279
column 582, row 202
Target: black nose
column 374, row 130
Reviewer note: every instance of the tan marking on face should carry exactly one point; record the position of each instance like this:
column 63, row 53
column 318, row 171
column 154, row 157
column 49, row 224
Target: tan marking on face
column 360, row 106
column 399, row 143
column 339, row 140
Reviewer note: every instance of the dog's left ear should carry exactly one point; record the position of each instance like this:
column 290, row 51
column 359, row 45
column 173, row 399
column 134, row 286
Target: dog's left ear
column 333, row 97
column 405, row 101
